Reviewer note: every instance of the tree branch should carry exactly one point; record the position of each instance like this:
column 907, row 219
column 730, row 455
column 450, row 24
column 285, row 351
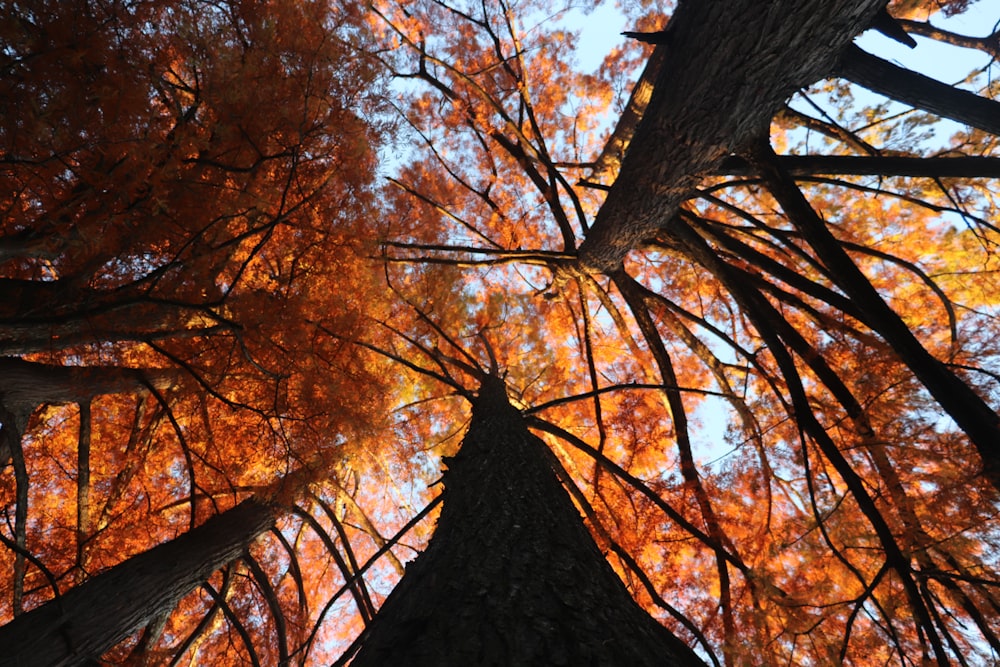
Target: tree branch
column 919, row 91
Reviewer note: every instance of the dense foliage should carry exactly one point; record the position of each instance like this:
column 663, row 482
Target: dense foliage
column 777, row 413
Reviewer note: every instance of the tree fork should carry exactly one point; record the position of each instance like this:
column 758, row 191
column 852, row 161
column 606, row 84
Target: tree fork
column 728, row 68
column 512, row 576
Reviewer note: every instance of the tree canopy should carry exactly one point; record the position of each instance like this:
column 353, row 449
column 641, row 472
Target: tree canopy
column 740, row 279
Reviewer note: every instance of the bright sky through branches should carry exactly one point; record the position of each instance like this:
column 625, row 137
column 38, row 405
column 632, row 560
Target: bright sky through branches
column 773, row 398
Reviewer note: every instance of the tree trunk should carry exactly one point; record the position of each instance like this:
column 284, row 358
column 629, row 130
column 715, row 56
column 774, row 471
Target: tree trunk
column 41, row 316
column 512, row 576
column 729, row 66
column 966, row 166
column 28, row 384
column 90, row 619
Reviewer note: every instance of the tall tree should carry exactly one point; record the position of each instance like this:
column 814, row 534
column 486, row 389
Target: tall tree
column 80, row 626
column 825, row 309
column 167, row 240
column 800, row 259
column 511, row 576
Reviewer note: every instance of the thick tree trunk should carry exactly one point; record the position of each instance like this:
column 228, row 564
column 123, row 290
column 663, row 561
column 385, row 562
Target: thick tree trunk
column 91, row 618
column 511, row 576
column 729, row 66
column 29, row 383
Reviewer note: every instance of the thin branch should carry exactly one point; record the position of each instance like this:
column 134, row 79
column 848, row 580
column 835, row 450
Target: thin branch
column 235, row 623
column 356, row 644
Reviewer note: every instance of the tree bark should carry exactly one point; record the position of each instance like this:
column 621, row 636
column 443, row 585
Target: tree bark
column 512, row 576
column 29, row 384
column 919, row 91
column 965, row 166
column 729, row 67
column 40, row 316
column 87, row 621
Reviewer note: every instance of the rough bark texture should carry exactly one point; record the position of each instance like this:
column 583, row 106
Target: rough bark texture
column 93, row 617
column 729, row 66
column 29, row 384
column 511, row 576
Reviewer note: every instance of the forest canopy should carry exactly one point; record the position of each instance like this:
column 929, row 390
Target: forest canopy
column 738, row 272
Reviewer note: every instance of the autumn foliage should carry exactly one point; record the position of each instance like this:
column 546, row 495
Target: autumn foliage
column 183, row 189
column 265, row 249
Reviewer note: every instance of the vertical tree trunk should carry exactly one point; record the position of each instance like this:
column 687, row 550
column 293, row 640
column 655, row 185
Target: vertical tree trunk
column 91, row 618
column 511, row 576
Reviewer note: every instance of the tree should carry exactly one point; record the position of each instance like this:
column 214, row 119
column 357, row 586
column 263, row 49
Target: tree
column 83, row 624
column 754, row 323
column 511, row 576
column 166, row 241
column 808, row 326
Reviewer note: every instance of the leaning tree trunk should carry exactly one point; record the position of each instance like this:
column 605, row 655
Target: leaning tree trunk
column 28, row 384
column 512, row 576
column 728, row 67
column 81, row 625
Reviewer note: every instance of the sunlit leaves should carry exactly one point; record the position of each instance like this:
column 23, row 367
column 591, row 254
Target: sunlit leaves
column 187, row 188
column 750, row 314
